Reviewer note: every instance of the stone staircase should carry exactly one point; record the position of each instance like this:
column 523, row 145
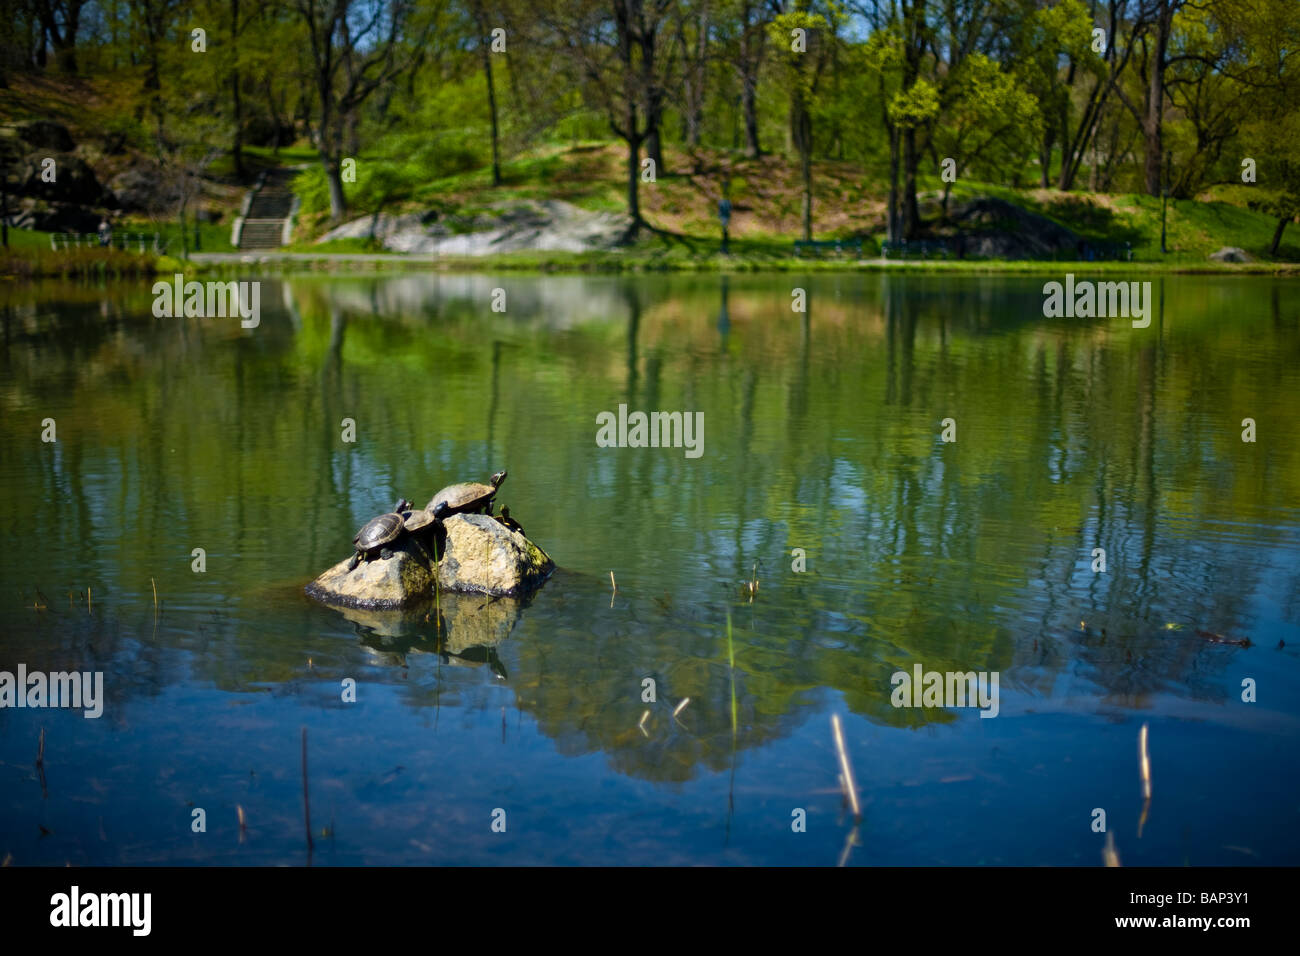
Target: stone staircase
column 268, row 210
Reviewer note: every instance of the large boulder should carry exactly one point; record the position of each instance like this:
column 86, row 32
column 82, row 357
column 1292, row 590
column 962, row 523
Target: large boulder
column 480, row 556
column 47, row 134
column 996, row 229
column 483, row 555
column 1230, row 254
column 53, row 216
column 141, row 189
column 513, row 226
column 74, row 180
column 403, row 579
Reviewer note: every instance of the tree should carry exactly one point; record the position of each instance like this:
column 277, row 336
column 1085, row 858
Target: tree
column 742, row 33
column 1266, row 39
column 693, row 24
column 1120, row 37
column 617, row 51
column 60, row 20
column 354, row 50
column 478, row 11
column 989, row 111
column 807, row 40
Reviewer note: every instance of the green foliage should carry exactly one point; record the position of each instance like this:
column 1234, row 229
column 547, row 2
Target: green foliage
column 916, row 106
column 400, row 168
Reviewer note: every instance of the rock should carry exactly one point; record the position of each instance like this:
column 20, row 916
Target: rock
column 74, row 180
column 1230, row 254
column 514, row 226
column 47, row 134
column 996, row 229
column 140, row 190
column 53, row 216
column 483, row 555
column 403, row 579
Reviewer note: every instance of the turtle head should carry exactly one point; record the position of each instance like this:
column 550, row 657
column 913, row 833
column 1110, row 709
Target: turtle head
column 402, row 505
column 499, row 477
column 440, row 512
column 505, row 511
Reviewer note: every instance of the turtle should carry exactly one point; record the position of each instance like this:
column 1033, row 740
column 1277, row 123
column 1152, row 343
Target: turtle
column 509, row 522
column 417, row 521
column 375, row 537
column 468, row 497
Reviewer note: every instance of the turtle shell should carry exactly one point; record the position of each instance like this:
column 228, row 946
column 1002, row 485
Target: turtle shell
column 378, row 532
column 466, row 496
column 417, row 519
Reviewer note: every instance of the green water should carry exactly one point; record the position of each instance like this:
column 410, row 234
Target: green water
column 823, row 432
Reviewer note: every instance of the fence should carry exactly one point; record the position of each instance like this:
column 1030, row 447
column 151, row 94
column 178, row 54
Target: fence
column 1085, row 250
column 126, row 241
column 832, row 245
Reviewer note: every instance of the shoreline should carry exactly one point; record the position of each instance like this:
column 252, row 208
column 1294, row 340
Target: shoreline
column 616, row 263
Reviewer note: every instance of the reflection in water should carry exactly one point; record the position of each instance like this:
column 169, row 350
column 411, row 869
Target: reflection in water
column 823, row 434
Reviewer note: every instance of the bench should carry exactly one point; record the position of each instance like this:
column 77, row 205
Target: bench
column 833, row 245
column 915, row 248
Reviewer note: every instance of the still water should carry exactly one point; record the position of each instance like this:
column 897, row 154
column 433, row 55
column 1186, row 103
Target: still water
column 823, row 432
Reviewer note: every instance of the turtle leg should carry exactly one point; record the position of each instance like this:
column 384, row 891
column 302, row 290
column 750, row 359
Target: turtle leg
column 355, row 560
column 385, row 553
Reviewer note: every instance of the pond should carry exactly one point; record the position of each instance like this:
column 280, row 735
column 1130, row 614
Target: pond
column 923, row 474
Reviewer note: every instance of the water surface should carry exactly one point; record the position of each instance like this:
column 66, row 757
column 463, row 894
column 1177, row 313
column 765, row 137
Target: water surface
column 822, row 432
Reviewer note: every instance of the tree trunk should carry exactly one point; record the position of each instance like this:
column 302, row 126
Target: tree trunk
column 805, row 168
column 892, row 226
column 333, row 173
column 913, row 23
column 654, row 151
column 911, row 213
column 1155, row 104
column 1277, row 235
column 749, row 102
column 492, row 109
column 751, row 57
column 237, row 146
column 633, row 169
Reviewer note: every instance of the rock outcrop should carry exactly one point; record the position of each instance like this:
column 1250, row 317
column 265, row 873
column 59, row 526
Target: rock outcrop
column 483, row 555
column 392, row 582
column 480, row 556
column 515, row 226
column 1230, row 254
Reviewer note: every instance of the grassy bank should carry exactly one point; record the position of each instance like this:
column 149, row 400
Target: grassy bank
column 29, row 256
column 849, row 202
column 633, row 263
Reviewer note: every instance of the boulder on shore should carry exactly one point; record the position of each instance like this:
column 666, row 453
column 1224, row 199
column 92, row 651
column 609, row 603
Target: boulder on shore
column 1230, row 254
column 480, row 556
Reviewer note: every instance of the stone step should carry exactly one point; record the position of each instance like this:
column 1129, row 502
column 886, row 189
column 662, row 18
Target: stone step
column 261, row 234
column 270, row 207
